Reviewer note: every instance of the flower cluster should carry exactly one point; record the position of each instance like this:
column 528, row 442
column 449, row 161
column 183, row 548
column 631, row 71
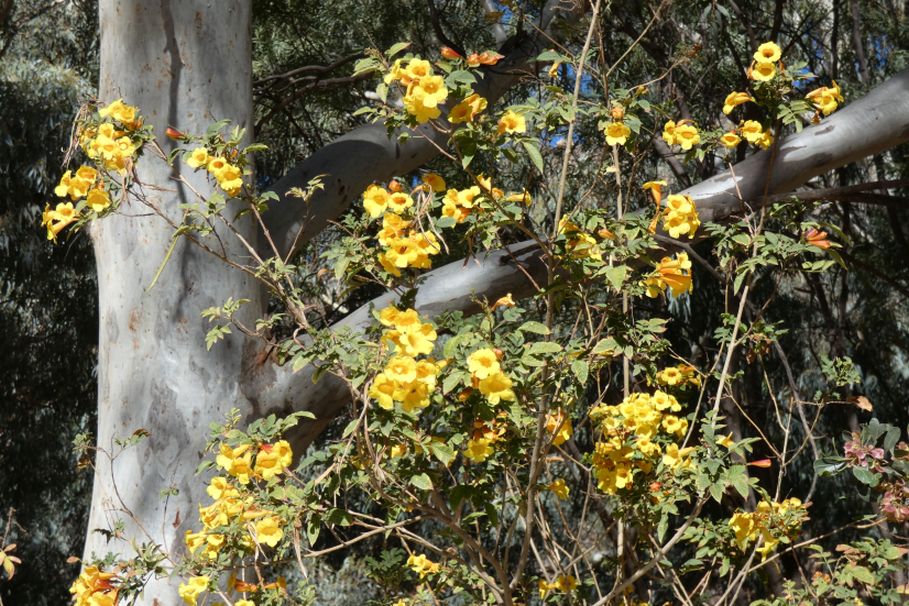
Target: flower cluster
column 677, row 376
column 229, row 176
column 405, row 379
column 461, row 203
column 671, row 273
column 771, row 521
column 112, row 144
column 486, row 375
column 232, row 517
column 764, row 66
column 112, row 141
column 564, row 583
column 480, row 444
column 404, row 245
column 826, row 98
column 863, row 455
column 425, row 91
column 578, row 243
column 95, row 587
column 681, row 216
column 629, row 431
column 895, row 502
column 682, row 133
column 422, row 565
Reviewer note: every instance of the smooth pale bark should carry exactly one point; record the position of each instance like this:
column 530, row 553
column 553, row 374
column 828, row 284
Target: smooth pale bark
column 187, row 64
column 875, row 123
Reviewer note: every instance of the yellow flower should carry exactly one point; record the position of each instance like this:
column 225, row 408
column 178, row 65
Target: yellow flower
column 497, row 387
column 268, row 462
column 435, row 182
column 190, row 590
column 656, row 189
column 674, row 425
column 383, row 390
column 511, row 123
column 617, row 133
column 826, row 99
column 505, row 301
column 417, row 69
column 766, row 140
column 422, row 106
column 432, row 91
column 478, row 449
column 98, row 199
column 681, row 216
column 752, row 131
column 726, row 441
column 733, row 99
column 398, row 202
column 422, row 565
column 467, row 110
column 120, row 111
column 559, row 488
column 768, row 52
column 268, row 531
column 375, row 200
column 244, row 603
column 230, row 179
column 669, row 132
column 198, row 158
column 558, row 425
column 762, row 72
column 677, row 458
column 57, row 219
column 236, row 461
column 566, row 583
column 219, row 488
column 402, row 369
column 483, row 363
column 523, row 197
column 730, row 140
column 674, row 274
column 743, row 526
column 686, row 135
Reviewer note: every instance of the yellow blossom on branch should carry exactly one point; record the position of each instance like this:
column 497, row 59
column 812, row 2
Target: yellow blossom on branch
column 512, row 123
column 672, row 273
column 681, row 216
column 762, row 72
column 617, row 133
column 734, row 99
column 768, row 52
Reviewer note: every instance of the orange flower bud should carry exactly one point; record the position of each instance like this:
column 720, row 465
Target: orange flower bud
column 174, row 134
column 490, row 57
column 499, row 353
column 394, row 186
column 763, row 463
column 473, row 60
column 617, row 112
column 813, row 237
column 450, row 53
column 606, row 234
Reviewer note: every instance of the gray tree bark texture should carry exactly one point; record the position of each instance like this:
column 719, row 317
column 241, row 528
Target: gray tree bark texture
column 154, row 371
column 183, row 63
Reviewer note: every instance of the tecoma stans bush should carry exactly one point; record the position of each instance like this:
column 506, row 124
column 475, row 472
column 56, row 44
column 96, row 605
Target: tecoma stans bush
column 539, row 440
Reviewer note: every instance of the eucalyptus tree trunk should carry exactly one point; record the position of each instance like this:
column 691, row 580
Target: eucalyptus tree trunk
column 183, row 63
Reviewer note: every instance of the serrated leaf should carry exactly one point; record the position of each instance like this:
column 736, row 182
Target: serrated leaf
column 616, row 275
column 534, row 327
column 543, row 347
column 421, row 481
column 581, row 370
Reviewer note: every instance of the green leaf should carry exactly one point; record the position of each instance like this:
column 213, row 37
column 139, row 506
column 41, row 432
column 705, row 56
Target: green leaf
column 443, row 452
column 312, row 532
column 534, row 153
column 581, row 370
column 862, row 574
column 534, row 327
column 396, row 48
column 616, row 275
column 421, row 481
column 543, row 347
column 866, row 476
